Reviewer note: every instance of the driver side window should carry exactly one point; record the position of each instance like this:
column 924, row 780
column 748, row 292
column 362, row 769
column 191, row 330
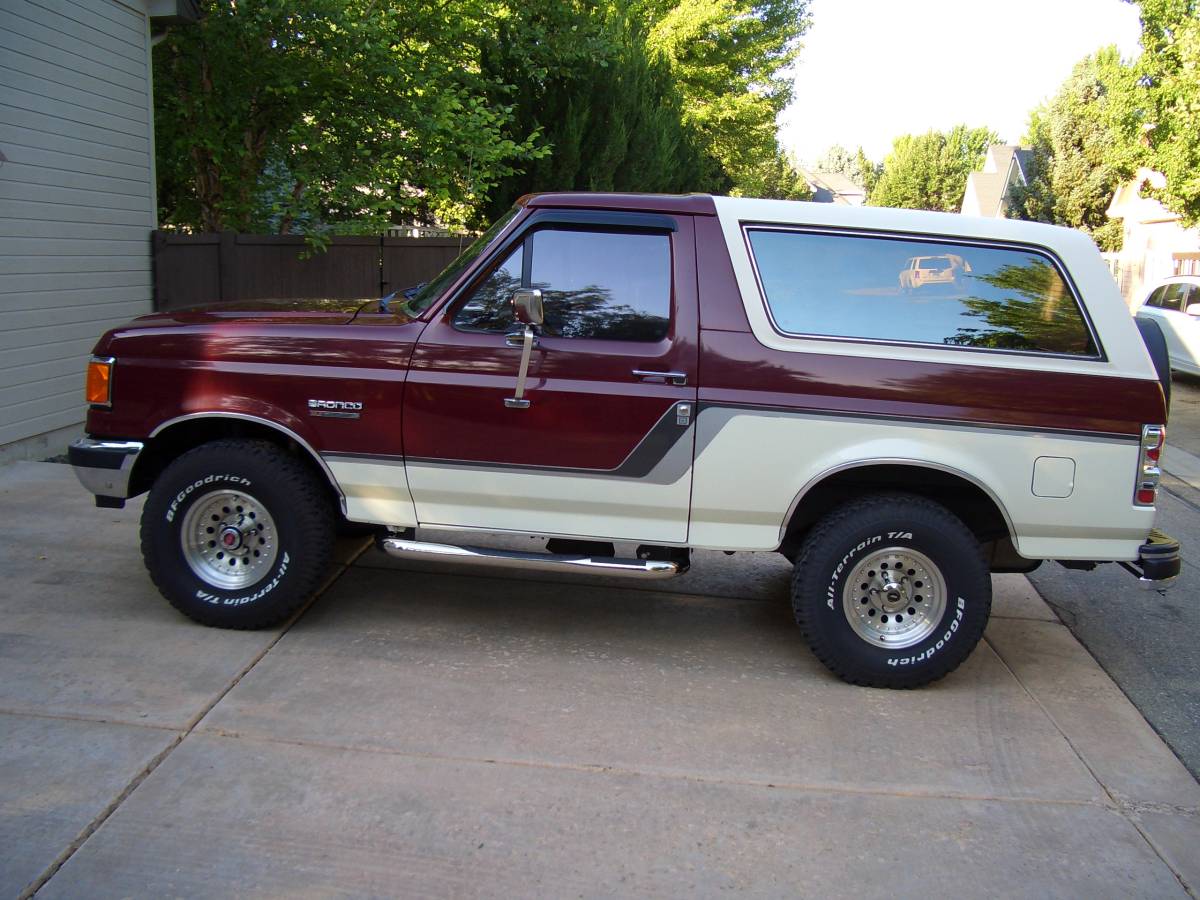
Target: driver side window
column 489, row 308
column 605, row 285
column 1173, row 298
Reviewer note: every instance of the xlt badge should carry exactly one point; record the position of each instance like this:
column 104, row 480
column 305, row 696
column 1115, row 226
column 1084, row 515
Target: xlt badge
column 335, row 409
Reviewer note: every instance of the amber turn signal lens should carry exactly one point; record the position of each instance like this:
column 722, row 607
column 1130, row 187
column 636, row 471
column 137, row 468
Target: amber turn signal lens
column 99, row 382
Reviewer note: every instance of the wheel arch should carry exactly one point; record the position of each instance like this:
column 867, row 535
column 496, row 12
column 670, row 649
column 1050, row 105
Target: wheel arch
column 182, row 433
column 977, row 505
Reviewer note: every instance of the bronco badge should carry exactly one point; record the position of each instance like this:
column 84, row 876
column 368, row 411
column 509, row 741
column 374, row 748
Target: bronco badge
column 335, row 409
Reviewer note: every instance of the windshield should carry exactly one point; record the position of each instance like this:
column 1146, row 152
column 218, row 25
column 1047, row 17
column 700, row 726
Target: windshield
column 424, row 297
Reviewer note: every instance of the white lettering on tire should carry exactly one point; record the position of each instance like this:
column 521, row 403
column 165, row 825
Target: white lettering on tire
column 210, row 479
column 238, row 601
column 928, row 652
column 841, row 567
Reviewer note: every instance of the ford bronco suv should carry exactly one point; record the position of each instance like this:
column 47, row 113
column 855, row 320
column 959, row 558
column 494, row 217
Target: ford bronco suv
column 677, row 373
column 924, row 271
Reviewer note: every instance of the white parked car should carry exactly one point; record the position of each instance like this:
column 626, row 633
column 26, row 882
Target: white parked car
column 1175, row 306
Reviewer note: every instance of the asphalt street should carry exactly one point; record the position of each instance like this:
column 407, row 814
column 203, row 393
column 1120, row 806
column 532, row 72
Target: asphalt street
column 1145, row 641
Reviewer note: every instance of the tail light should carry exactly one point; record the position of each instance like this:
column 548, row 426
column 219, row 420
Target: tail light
column 99, row 381
column 1146, row 489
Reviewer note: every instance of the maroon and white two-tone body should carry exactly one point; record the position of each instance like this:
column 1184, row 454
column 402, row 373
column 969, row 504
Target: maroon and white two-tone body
column 675, row 372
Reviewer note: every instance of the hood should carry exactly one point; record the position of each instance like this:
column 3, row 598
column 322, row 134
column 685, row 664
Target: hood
column 326, row 310
column 243, row 317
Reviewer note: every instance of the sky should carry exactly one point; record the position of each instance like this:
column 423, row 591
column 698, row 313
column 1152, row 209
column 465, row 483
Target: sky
column 871, row 70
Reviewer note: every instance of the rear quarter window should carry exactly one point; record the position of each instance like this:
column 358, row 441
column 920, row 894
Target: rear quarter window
column 916, row 291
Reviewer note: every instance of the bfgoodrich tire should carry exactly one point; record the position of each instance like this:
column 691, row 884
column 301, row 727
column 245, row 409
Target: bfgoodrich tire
column 237, row 534
column 891, row 591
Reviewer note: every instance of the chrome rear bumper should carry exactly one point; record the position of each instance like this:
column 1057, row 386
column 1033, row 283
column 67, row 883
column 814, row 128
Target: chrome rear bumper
column 1158, row 562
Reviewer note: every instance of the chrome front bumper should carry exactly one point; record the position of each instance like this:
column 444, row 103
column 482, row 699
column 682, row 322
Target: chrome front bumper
column 104, row 467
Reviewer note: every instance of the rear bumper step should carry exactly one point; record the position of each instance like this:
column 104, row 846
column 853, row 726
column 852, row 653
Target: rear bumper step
column 537, row 562
column 1158, row 561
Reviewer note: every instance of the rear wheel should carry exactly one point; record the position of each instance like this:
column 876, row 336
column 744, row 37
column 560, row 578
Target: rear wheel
column 237, row 534
column 891, row 591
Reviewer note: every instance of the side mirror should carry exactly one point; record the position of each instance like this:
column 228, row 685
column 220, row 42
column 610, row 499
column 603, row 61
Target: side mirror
column 527, row 307
column 1193, row 309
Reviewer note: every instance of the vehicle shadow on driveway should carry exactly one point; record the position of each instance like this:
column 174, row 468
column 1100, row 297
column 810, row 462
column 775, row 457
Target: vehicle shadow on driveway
column 490, row 668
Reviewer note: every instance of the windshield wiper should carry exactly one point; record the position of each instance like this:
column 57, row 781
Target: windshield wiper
column 385, row 303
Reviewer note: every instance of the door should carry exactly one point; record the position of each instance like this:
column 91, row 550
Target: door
column 1167, row 306
column 604, row 446
column 1183, row 330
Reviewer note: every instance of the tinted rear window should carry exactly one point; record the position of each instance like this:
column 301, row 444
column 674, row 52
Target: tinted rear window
column 958, row 295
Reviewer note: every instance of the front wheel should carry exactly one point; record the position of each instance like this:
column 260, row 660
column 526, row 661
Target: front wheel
column 237, row 534
column 891, row 591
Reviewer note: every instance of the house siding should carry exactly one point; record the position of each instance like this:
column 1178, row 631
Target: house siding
column 76, row 198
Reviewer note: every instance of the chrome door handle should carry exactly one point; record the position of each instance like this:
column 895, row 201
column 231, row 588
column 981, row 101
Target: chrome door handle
column 517, row 339
column 676, row 378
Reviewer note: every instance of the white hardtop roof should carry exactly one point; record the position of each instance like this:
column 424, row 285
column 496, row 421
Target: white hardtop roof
column 911, row 221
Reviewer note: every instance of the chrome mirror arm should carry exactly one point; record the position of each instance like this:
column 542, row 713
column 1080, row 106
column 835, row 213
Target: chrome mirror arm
column 518, row 401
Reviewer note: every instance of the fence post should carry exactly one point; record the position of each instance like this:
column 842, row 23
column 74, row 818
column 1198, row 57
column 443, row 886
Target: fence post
column 383, row 274
column 227, row 264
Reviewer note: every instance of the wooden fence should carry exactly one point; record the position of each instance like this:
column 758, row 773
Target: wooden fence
column 190, row 269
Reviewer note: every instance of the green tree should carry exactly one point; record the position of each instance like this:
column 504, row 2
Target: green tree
column 608, row 116
column 730, row 60
column 1166, row 108
column 855, row 166
column 1033, row 312
column 870, row 171
column 929, row 171
column 776, row 177
column 339, row 116
column 329, row 114
column 1080, row 156
column 840, row 160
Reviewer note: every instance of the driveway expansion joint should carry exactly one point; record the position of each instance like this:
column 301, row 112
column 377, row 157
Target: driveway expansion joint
column 1127, row 810
column 38, row 883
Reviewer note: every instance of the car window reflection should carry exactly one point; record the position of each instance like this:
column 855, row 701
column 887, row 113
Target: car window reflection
column 918, row 291
column 595, row 284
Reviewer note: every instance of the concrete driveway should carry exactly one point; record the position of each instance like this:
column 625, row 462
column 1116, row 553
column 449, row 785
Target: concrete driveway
column 1147, row 643
column 419, row 732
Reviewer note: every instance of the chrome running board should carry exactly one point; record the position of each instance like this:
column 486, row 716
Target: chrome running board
column 541, row 562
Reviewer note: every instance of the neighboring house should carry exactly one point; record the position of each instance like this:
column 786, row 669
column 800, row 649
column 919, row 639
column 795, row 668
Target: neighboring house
column 987, row 191
column 77, row 201
column 834, row 187
column 1155, row 246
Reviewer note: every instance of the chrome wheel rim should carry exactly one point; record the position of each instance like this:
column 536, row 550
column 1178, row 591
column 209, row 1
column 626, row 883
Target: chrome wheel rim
column 894, row 598
column 228, row 539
